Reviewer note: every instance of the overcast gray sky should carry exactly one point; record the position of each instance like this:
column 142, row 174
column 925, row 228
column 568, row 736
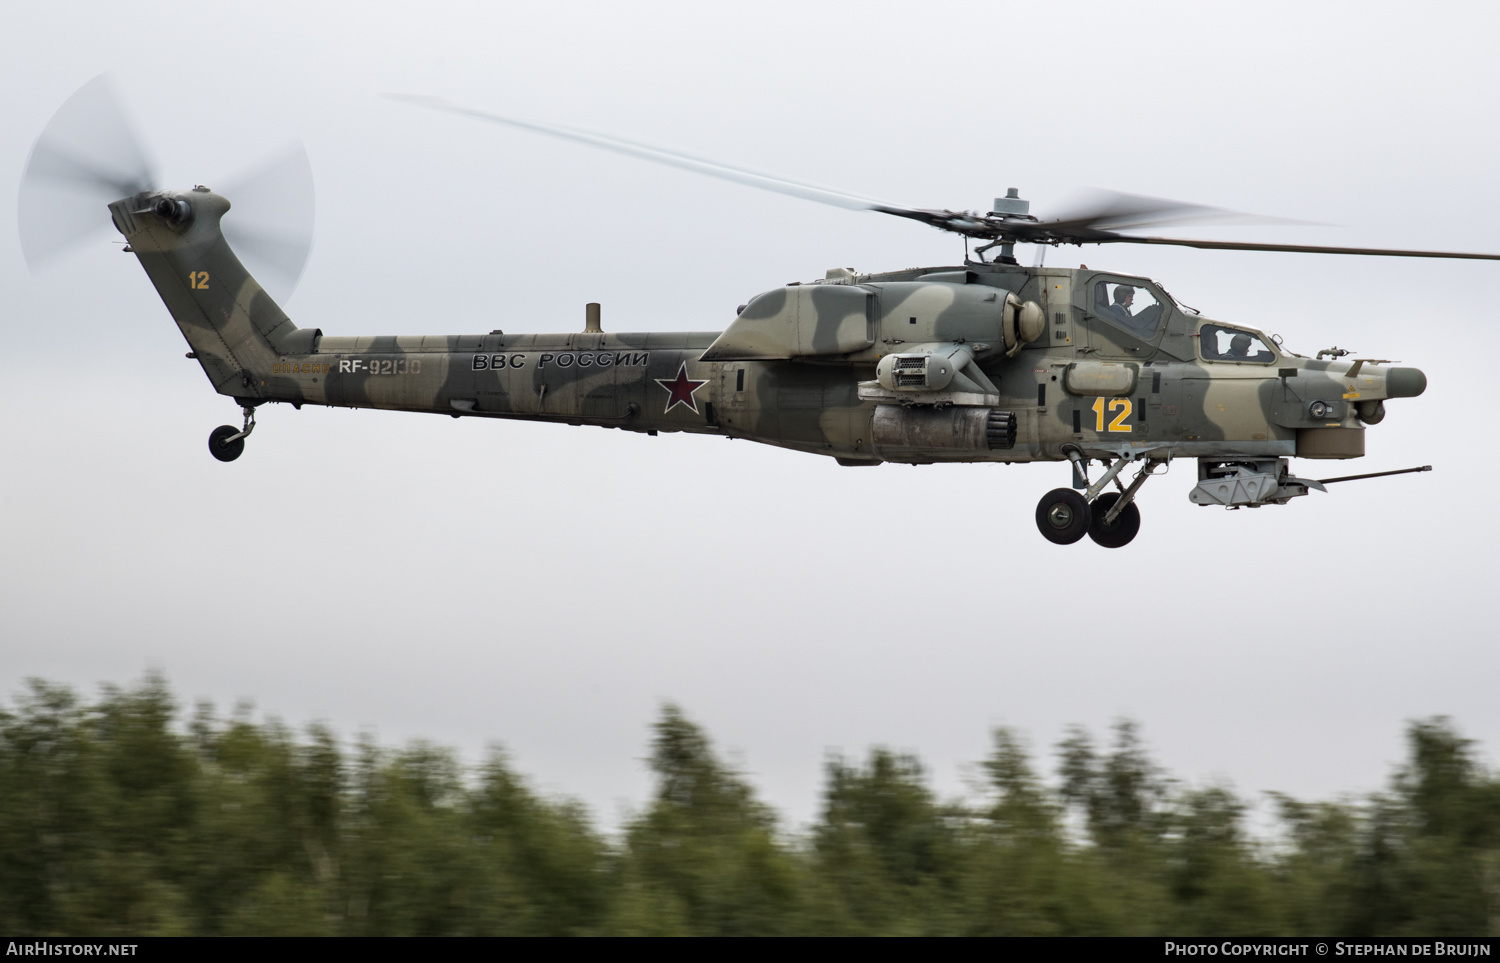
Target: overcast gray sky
column 549, row 588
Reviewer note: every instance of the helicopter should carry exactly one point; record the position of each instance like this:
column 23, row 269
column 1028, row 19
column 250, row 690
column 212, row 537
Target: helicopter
column 985, row 360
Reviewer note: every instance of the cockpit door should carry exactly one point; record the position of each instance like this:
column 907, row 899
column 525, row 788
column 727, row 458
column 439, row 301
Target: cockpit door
column 1125, row 316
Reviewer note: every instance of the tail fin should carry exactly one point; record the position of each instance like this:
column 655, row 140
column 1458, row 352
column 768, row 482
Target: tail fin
column 234, row 328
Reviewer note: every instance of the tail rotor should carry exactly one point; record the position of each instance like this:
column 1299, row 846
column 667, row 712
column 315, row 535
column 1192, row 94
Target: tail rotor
column 86, row 156
column 89, row 155
column 271, row 224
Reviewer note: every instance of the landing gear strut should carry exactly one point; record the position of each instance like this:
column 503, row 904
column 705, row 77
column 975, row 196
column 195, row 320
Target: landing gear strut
column 226, row 442
column 1111, row 519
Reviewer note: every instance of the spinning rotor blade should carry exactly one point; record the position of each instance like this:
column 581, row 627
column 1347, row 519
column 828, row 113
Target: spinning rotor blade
column 270, row 222
column 1111, row 211
column 1106, row 211
column 673, row 158
column 1098, row 222
column 1297, row 248
column 86, row 157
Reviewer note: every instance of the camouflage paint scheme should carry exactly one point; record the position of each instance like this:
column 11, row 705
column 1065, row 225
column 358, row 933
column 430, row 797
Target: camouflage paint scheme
column 797, row 368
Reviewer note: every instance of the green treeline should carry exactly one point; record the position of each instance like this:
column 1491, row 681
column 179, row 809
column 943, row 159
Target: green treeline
column 116, row 818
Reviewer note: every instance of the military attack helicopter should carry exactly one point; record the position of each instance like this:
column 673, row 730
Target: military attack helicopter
column 983, row 361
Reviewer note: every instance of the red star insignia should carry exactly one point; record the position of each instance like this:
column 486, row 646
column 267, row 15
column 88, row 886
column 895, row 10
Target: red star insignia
column 681, row 389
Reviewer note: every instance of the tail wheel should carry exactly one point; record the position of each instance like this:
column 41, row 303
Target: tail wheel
column 221, row 447
column 1062, row 516
column 1119, row 532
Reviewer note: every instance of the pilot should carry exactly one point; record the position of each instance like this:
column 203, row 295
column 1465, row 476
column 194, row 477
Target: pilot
column 1120, row 310
column 1239, row 347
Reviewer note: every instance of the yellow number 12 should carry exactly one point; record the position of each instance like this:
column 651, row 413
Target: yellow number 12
column 1122, row 405
column 198, row 280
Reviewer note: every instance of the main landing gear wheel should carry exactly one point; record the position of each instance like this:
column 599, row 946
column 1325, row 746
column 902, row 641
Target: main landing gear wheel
column 224, row 449
column 1119, row 532
column 1063, row 516
column 226, row 443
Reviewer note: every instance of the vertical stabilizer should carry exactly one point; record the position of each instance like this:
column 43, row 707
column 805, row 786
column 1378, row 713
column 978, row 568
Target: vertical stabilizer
column 234, row 328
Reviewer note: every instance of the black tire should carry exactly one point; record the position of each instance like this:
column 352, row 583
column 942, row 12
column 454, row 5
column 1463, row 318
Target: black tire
column 1122, row 530
column 1062, row 516
column 222, row 450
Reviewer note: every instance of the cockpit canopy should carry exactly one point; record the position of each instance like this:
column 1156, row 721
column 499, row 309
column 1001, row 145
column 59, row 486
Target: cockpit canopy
column 1222, row 342
column 1132, row 305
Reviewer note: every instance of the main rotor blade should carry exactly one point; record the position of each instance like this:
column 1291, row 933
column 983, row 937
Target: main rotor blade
column 87, row 156
column 270, row 222
column 675, row 158
column 1097, row 223
column 1113, row 211
column 1103, row 213
column 1292, row 248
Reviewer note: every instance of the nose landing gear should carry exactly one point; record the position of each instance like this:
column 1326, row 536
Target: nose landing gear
column 1111, row 519
column 226, row 442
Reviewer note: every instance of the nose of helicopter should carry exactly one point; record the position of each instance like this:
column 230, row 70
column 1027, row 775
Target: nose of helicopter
column 1405, row 382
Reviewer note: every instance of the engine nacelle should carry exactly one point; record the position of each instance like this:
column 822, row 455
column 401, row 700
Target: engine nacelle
column 836, row 318
column 1024, row 323
column 799, row 321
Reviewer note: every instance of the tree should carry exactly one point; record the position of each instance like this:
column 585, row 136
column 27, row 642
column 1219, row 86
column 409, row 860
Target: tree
column 704, row 858
column 887, row 849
